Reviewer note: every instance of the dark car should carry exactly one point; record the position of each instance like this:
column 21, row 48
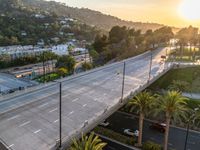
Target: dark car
column 163, row 57
column 159, row 126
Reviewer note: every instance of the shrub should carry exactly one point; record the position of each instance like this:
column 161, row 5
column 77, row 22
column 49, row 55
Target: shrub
column 115, row 136
column 151, row 146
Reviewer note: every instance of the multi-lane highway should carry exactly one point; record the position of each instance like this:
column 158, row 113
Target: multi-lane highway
column 30, row 120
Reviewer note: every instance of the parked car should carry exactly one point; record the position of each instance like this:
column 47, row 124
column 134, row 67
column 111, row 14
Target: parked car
column 159, row 126
column 104, row 124
column 131, row 132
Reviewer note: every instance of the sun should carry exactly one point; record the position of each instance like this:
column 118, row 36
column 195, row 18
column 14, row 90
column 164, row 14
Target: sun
column 190, row 9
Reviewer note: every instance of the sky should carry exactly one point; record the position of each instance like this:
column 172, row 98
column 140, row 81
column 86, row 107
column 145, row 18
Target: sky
column 178, row 13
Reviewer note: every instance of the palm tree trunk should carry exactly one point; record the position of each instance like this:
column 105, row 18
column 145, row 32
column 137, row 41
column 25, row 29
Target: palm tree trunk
column 141, row 120
column 166, row 133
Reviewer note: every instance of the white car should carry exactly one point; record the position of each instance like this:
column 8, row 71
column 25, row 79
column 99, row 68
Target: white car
column 131, row 132
column 104, row 124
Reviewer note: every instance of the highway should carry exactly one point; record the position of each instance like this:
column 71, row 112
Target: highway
column 30, row 120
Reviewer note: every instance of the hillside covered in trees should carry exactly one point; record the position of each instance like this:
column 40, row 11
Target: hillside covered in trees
column 91, row 17
column 24, row 26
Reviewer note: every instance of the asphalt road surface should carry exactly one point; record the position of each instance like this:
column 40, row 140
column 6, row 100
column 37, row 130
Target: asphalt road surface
column 30, row 121
column 112, row 145
column 120, row 121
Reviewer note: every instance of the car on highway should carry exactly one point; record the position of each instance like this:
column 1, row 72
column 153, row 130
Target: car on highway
column 104, row 123
column 131, row 132
column 163, row 57
column 158, row 126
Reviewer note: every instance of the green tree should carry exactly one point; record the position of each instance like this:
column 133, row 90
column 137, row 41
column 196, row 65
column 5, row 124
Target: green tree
column 90, row 142
column 87, row 66
column 164, row 34
column 62, row 72
column 100, row 42
column 94, row 54
column 173, row 105
column 180, row 86
column 143, row 103
column 117, row 34
column 66, row 61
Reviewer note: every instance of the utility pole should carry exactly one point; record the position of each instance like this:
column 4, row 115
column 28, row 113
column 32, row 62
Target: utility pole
column 150, row 66
column 124, row 72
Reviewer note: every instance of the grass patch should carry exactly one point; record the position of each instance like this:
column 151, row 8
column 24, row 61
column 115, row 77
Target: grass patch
column 191, row 103
column 48, row 77
column 189, row 75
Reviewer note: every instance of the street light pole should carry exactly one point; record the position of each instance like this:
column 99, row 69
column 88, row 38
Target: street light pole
column 124, row 71
column 43, row 66
column 186, row 139
column 150, row 66
column 60, row 114
column 191, row 118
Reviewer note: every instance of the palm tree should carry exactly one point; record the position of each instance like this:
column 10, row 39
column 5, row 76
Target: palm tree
column 173, row 105
column 180, row 86
column 91, row 142
column 143, row 103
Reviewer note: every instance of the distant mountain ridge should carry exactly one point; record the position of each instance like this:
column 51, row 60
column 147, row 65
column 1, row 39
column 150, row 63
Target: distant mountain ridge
column 88, row 16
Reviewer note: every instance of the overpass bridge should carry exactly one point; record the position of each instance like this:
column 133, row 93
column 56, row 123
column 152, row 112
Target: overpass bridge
column 29, row 120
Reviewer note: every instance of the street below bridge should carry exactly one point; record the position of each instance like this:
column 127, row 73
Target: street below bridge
column 120, row 121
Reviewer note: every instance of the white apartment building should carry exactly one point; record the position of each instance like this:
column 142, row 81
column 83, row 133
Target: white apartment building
column 18, row 51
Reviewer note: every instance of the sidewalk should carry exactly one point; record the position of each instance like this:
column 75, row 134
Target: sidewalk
column 195, row 96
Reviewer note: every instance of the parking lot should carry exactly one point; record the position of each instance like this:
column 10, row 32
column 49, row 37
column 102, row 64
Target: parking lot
column 9, row 83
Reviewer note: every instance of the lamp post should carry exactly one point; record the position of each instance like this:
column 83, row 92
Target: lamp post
column 43, row 66
column 191, row 118
column 60, row 113
column 124, row 71
column 150, row 66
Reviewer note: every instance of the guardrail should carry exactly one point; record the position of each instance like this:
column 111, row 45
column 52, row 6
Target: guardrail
column 4, row 146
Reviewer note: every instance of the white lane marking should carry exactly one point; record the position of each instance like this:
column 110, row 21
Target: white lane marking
column 194, row 136
column 11, row 145
column 55, row 121
column 71, row 112
column 191, row 142
column 84, row 105
column 14, row 117
column 75, row 100
column 37, row 131
column 24, row 123
column 41, row 106
column 65, row 95
column 96, row 99
column 53, row 110
column 170, row 144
